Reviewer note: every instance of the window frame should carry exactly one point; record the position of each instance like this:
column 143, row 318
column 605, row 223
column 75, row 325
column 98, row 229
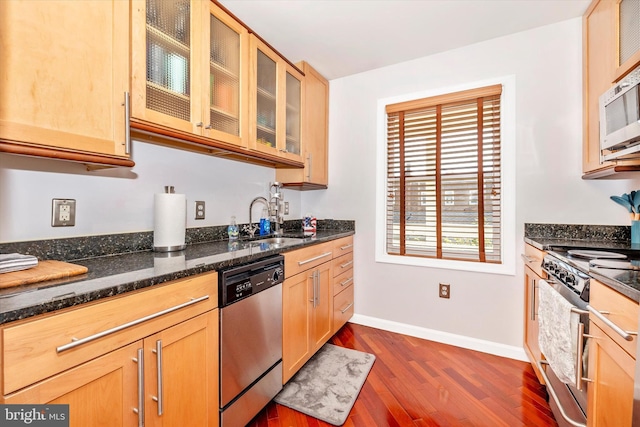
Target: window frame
column 508, row 176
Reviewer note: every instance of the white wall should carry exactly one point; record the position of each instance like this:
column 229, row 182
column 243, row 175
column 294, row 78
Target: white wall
column 120, row 200
column 547, row 66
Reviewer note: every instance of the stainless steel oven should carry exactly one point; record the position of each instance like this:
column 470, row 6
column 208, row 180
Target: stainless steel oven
column 250, row 338
column 568, row 400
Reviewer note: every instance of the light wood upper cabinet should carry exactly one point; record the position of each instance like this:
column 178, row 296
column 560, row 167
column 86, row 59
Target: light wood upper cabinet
column 226, row 106
column 65, row 69
column 628, row 16
column 601, row 68
column 275, row 103
column 189, row 69
column 315, row 135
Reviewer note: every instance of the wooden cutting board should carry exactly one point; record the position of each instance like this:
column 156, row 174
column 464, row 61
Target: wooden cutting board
column 45, row 270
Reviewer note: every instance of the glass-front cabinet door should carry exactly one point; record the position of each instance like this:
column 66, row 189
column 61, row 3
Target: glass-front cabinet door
column 276, row 103
column 163, row 62
column 190, row 69
column 227, row 78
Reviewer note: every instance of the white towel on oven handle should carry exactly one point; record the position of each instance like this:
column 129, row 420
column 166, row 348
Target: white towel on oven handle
column 558, row 332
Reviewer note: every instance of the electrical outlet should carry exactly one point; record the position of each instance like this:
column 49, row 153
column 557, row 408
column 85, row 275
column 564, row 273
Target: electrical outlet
column 199, row 209
column 286, row 208
column 63, row 213
column 445, row 290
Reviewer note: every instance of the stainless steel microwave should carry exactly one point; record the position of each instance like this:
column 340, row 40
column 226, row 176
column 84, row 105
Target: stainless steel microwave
column 620, row 119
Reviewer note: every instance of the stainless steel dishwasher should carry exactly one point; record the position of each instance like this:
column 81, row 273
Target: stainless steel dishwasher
column 250, row 338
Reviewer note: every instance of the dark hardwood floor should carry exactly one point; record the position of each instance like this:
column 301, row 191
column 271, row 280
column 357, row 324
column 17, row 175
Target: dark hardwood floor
column 415, row 382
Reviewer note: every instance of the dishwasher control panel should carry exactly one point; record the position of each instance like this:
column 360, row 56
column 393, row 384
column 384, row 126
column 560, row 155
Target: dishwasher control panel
column 239, row 282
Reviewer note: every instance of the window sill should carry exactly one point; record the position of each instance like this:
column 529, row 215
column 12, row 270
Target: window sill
column 507, row 268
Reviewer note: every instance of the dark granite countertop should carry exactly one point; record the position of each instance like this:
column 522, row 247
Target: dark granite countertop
column 611, row 238
column 117, row 274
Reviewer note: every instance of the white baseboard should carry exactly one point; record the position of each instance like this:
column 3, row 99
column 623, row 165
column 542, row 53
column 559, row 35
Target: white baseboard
column 497, row 349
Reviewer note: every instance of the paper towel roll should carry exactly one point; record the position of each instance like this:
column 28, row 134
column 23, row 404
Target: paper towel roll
column 169, row 222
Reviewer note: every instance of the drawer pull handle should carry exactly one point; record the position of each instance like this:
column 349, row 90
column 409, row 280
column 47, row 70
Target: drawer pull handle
column 527, row 258
column 346, row 308
column 314, row 258
column 346, row 264
column 140, row 409
column 344, row 282
column 627, row 335
column 345, row 247
column 75, row 342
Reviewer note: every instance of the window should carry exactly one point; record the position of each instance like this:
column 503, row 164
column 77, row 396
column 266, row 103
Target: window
column 444, row 176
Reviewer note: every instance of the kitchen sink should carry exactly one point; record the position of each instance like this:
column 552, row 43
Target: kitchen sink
column 277, row 242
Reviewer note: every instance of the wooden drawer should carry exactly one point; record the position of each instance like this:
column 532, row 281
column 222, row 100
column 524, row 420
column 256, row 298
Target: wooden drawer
column 33, row 349
column 342, row 308
column 306, row 258
column 533, row 259
column 342, row 246
column 342, row 263
column 342, row 281
column 623, row 312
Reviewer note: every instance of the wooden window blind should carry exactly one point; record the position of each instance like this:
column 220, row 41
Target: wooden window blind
column 443, row 176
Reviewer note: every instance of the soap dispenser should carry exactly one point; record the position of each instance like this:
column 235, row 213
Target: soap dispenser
column 265, row 223
column 232, row 230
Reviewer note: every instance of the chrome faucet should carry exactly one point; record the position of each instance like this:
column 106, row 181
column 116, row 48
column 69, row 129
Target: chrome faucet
column 251, row 229
column 276, row 202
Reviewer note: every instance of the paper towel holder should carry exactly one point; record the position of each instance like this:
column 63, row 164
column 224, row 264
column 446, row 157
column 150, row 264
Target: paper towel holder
column 174, row 239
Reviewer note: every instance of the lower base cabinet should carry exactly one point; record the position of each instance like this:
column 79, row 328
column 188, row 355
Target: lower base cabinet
column 307, row 301
column 160, row 372
column 612, row 371
column 317, row 299
column 103, row 389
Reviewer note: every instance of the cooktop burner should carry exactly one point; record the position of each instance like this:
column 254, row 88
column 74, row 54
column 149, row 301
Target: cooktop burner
column 584, row 253
column 615, row 264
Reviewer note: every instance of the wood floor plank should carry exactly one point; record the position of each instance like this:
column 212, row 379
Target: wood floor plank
column 415, row 382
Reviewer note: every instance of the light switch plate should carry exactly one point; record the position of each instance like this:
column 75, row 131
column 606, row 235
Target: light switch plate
column 63, row 213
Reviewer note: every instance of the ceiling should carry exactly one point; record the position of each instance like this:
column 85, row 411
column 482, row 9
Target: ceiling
column 344, row 37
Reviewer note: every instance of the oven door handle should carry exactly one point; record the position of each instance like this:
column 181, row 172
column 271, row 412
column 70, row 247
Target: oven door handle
column 553, row 394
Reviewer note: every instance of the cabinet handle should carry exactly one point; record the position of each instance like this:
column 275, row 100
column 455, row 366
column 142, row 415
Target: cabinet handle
column 316, row 291
column 314, row 258
column 158, row 398
column 140, row 409
column 209, row 126
column 533, row 299
column 627, row 335
column 344, row 282
column 77, row 342
column 199, row 124
column 309, row 168
column 553, row 394
column 127, row 123
column 345, row 247
column 313, row 296
column 527, row 258
column 346, row 264
column 343, row 311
